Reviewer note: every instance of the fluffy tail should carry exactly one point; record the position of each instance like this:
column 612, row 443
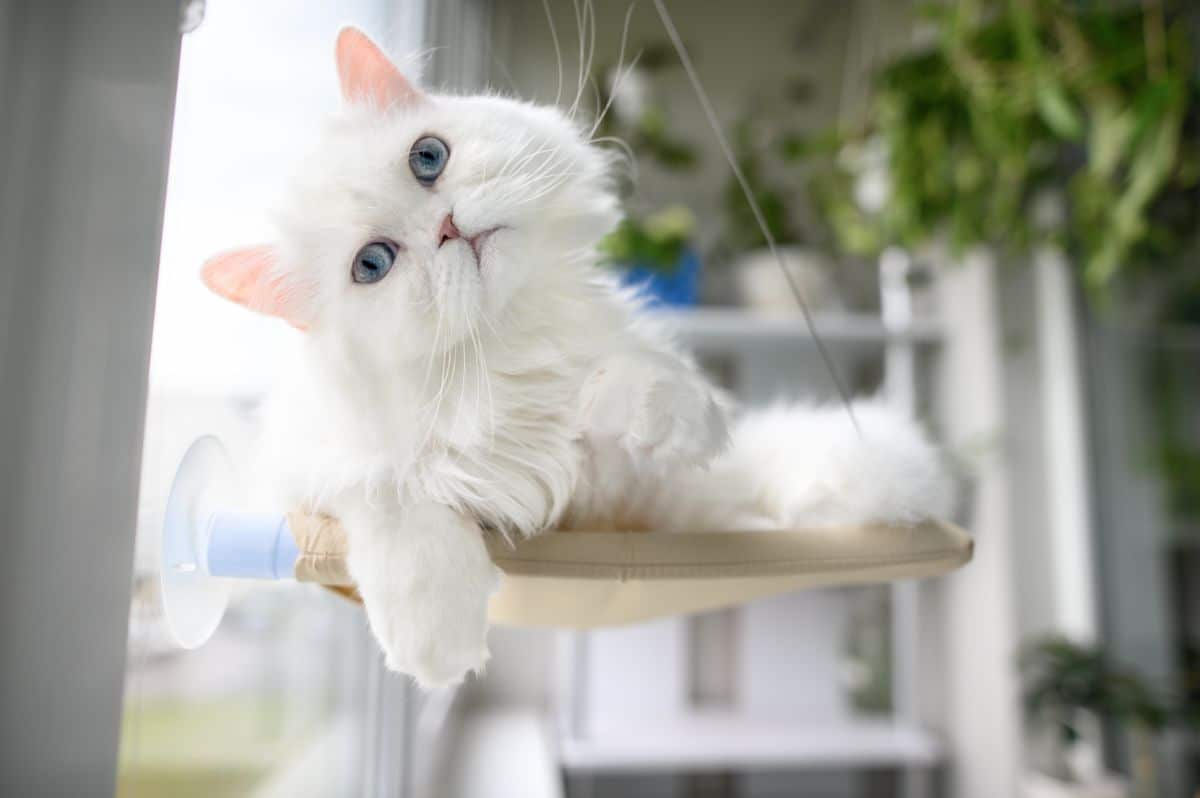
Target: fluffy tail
column 815, row 469
column 795, row 466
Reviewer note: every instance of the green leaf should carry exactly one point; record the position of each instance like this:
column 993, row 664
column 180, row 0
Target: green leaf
column 1057, row 111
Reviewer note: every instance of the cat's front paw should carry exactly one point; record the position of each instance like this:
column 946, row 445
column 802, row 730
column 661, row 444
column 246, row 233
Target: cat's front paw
column 437, row 649
column 652, row 407
column 425, row 582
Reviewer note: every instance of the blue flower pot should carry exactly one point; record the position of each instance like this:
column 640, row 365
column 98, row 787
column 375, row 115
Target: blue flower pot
column 677, row 288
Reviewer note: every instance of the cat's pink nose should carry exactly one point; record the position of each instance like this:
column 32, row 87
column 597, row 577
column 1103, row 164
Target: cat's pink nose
column 448, row 231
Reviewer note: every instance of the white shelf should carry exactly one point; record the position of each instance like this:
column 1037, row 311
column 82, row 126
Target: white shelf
column 731, row 328
column 725, row 741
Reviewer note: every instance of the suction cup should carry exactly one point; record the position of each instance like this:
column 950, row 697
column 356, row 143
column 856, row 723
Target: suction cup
column 194, row 601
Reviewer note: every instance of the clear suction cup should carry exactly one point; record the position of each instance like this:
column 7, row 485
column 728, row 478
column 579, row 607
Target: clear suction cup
column 194, row 601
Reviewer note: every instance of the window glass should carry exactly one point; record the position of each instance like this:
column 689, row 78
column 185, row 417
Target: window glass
column 274, row 703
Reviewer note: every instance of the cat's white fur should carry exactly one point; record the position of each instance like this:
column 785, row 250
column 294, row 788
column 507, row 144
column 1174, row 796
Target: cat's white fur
column 520, row 391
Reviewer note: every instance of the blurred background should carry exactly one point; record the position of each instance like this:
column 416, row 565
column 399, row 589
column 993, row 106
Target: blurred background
column 991, row 208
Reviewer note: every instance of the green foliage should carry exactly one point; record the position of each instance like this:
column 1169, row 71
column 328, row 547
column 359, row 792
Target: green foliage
column 1019, row 101
column 1063, row 678
column 655, row 242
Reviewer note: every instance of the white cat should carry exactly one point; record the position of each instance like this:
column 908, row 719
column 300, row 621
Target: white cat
column 467, row 366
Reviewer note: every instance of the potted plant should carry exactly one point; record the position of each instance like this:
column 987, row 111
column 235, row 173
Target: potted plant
column 656, row 255
column 1069, row 687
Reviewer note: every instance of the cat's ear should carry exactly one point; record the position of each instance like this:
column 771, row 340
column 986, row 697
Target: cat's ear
column 367, row 75
column 248, row 276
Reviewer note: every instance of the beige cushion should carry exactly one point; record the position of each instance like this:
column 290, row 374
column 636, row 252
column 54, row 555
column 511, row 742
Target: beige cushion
column 586, row 579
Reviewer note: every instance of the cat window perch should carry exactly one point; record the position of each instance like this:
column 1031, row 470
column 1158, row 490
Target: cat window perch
column 559, row 579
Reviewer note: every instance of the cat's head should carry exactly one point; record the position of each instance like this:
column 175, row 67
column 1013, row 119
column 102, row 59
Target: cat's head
column 421, row 217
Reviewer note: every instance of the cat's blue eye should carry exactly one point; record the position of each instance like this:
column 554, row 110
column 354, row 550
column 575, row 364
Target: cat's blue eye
column 373, row 262
column 427, row 159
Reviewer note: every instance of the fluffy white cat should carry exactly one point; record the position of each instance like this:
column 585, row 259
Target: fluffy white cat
column 467, row 366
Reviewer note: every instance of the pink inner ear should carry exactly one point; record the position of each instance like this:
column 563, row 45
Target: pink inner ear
column 246, row 276
column 366, row 74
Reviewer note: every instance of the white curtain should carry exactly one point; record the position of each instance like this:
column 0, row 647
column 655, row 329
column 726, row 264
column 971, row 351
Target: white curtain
column 86, row 94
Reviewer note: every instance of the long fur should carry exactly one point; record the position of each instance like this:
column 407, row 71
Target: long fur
column 520, row 391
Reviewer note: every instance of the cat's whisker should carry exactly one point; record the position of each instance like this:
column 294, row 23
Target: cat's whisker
column 455, row 350
column 515, row 178
column 478, row 368
column 579, row 79
column 526, row 158
column 470, row 346
column 522, row 144
column 553, row 183
column 590, row 9
column 521, row 182
column 443, row 390
column 485, row 375
column 548, row 189
column 612, row 92
column 497, row 337
column 585, row 20
column 596, row 93
column 534, row 177
column 518, row 147
column 436, row 403
column 620, row 73
column 534, row 181
column 631, row 159
column 437, row 333
column 557, row 50
column 466, row 347
column 510, row 183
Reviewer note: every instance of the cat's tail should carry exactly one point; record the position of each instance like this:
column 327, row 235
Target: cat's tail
column 792, row 466
column 814, row 468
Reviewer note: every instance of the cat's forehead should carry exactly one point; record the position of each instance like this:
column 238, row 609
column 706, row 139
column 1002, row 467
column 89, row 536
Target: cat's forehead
column 361, row 170
column 476, row 125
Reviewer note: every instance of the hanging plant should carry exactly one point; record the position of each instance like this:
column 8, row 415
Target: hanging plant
column 1025, row 122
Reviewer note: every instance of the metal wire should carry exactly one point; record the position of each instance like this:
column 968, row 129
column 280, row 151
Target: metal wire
column 714, row 122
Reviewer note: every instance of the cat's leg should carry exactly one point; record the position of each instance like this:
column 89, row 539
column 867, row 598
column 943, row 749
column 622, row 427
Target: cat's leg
column 653, row 405
column 425, row 576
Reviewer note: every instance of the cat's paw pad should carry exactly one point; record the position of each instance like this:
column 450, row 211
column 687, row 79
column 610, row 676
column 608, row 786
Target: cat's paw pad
column 653, row 408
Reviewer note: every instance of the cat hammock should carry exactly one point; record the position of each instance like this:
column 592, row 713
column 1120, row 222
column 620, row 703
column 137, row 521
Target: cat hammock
column 560, row 579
